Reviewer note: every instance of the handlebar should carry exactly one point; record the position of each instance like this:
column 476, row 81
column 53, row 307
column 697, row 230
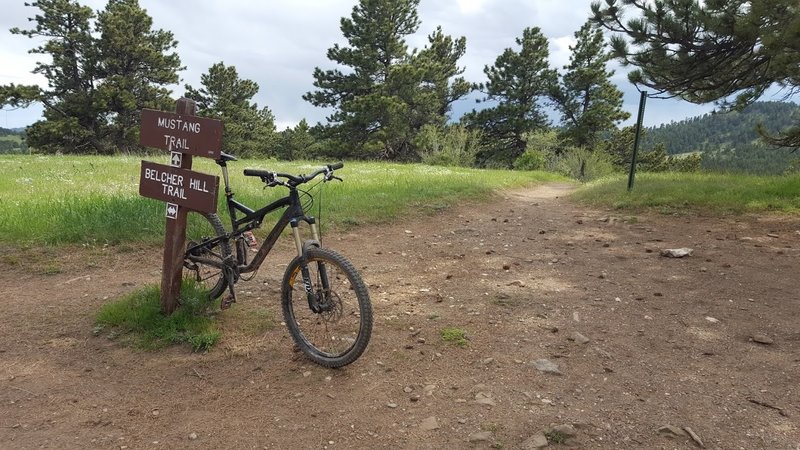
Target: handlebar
column 271, row 178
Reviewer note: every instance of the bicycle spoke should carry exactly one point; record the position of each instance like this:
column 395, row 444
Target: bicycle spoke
column 336, row 329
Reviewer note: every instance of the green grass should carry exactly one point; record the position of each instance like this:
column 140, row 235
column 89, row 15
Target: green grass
column 555, row 437
column 696, row 192
column 91, row 199
column 137, row 318
column 455, row 336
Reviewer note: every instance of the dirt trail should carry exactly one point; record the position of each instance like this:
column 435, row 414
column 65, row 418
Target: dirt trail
column 709, row 342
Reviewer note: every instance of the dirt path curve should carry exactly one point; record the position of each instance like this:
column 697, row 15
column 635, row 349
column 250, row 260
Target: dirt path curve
column 710, row 342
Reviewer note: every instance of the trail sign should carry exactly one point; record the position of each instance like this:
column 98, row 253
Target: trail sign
column 182, row 133
column 194, row 190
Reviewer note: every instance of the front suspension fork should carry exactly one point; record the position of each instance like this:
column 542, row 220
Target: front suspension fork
column 316, row 300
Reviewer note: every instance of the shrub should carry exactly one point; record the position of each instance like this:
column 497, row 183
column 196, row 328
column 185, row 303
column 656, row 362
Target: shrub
column 530, row 160
column 582, row 164
column 452, row 145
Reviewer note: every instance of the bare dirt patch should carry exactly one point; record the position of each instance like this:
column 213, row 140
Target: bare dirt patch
column 709, row 342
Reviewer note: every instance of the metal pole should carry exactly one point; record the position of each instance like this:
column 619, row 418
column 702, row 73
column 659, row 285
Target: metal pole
column 632, row 173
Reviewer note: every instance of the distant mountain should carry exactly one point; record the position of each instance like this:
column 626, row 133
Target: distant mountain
column 729, row 141
column 10, row 131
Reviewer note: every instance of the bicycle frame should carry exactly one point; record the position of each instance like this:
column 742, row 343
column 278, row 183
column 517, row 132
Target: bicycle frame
column 252, row 219
column 336, row 343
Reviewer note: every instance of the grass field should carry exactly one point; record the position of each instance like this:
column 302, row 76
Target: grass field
column 71, row 199
column 712, row 193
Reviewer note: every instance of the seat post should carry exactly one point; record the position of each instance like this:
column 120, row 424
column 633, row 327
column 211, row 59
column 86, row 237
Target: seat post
column 223, row 162
column 225, row 177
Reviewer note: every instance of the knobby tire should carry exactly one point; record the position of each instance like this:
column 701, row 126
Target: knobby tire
column 338, row 335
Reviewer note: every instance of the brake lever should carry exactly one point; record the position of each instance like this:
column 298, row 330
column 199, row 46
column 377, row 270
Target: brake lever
column 329, row 176
column 270, row 181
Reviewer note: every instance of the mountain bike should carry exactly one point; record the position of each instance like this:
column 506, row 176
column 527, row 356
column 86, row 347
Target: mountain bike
column 325, row 303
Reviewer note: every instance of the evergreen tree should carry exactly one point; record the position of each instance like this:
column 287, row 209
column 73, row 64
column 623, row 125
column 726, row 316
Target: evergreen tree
column 441, row 72
column 96, row 84
column 73, row 123
column 136, row 62
column 386, row 94
column 518, row 81
column 249, row 131
column 589, row 103
column 728, row 51
column 297, row 143
column 619, row 145
column 365, row 98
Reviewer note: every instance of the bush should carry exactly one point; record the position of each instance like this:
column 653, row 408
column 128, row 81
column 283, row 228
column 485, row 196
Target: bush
column 685, row 163
column 582, row 164
column 452, row 145
column 530, row 160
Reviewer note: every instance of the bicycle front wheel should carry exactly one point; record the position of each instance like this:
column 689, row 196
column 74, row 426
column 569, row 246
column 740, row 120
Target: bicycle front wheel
column 201, row 228
column 330, row 317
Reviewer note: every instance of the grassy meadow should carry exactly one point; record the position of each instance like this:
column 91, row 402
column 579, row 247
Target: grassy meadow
column 92, row 199
column 95, row 200
column 697, row 192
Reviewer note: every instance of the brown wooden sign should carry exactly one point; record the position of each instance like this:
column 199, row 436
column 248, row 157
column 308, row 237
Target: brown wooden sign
column 194, row 190
column 181, row 133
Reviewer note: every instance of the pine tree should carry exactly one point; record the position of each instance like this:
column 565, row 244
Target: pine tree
column 249, row 131
column 136, row 63
column 589, row 103
column 96, row 84
column 72, row 114
column 518, row 82
column 362, row 98
column 297, row 143
column 725, row 51
column 386, row 93
column 442, row 76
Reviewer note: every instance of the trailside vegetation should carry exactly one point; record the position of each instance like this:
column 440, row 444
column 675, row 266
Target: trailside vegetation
column 249, row 130
column 101, row 70
column 518, row 84
column 725, row 51
column 71, row 199
column 382, row 93
column 389, row 101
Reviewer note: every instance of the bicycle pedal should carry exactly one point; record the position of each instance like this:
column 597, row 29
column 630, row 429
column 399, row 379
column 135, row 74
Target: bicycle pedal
column 227, row 301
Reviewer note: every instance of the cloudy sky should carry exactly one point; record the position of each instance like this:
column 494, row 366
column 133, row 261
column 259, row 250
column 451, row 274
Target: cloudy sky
column 278, row 43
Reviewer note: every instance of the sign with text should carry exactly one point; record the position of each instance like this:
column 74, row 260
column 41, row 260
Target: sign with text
column 194, row 190
column 181, row 133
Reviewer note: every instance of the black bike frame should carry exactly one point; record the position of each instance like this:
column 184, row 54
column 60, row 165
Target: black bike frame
column 252, row 219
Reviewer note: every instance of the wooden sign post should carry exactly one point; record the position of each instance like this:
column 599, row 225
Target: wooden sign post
column 183, row 134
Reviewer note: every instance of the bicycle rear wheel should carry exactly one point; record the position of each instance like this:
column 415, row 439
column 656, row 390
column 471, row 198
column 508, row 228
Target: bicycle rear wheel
column 202, row 228
column 338, row 333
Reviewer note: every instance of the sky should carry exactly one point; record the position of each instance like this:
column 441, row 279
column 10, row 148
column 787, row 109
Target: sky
column 278, row 43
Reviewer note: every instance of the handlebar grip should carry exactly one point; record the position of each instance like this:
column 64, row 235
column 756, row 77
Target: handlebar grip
column 257, row 173
column 336, row 166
